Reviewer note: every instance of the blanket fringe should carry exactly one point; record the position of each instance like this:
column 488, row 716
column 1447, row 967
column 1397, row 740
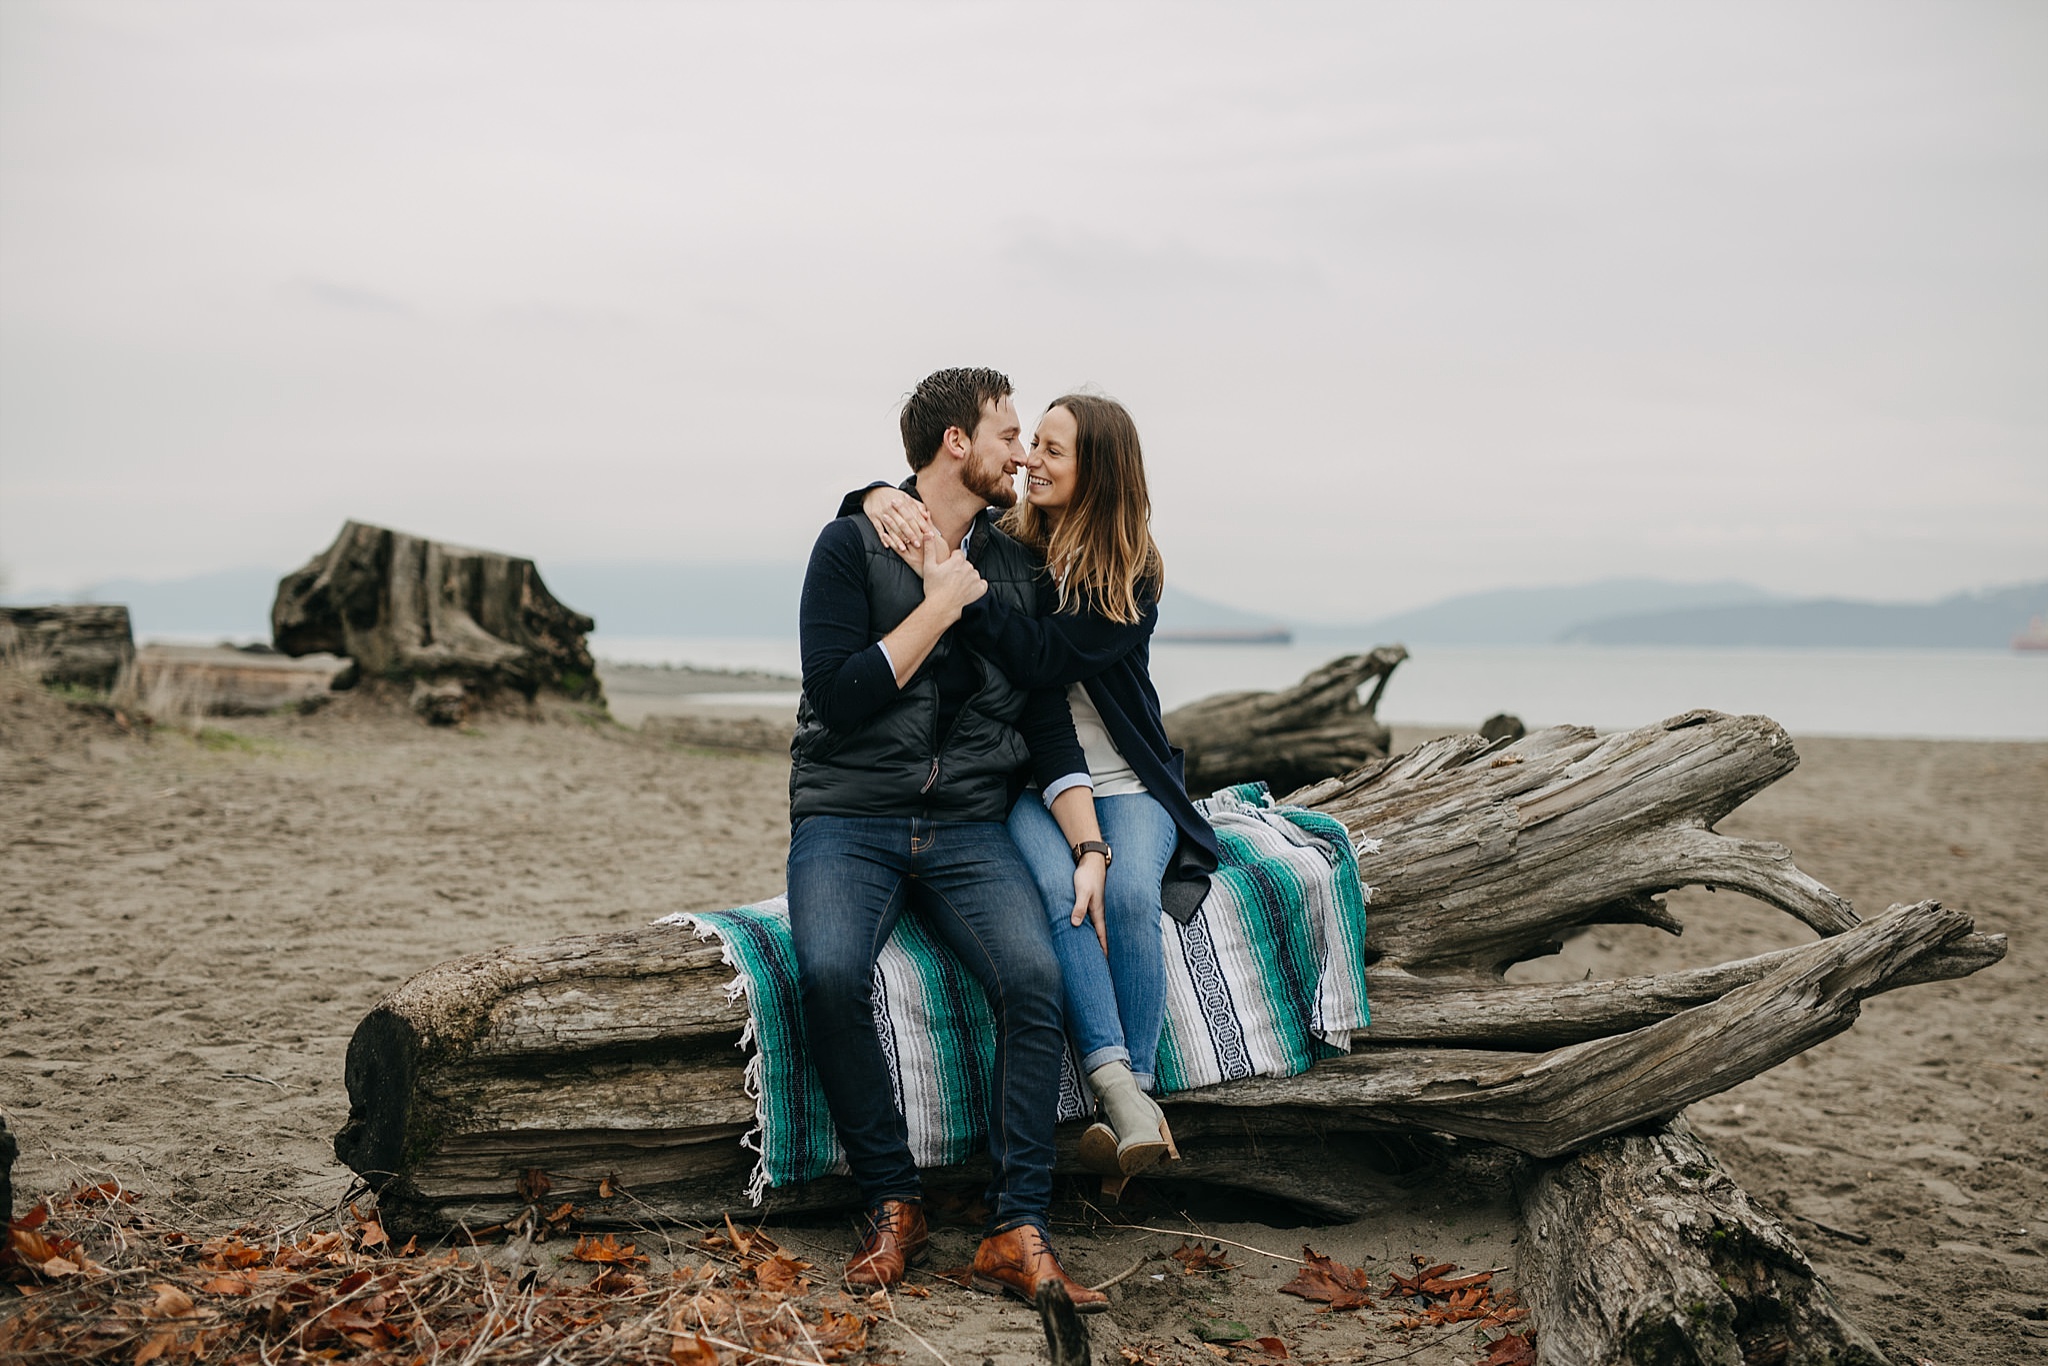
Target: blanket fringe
column 750, row 1076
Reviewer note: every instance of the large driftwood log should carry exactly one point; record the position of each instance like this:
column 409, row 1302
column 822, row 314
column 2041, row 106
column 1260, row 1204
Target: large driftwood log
column 1314, row 730
column 224, row 681
column 614, row 1054
column 455, row 625
column 1642, row 1250
column 88, row 644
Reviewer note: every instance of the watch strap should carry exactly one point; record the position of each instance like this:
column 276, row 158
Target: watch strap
column 1086, row 847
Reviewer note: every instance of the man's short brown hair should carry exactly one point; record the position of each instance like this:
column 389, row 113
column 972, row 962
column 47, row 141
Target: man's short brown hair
column 943, row 400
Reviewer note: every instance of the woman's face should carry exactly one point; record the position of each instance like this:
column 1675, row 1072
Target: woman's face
column 1050, row 470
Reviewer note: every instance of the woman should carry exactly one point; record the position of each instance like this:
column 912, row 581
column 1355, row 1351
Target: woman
column 1085, row 511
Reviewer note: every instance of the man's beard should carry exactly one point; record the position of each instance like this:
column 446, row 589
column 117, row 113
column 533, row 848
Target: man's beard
column 986, row 480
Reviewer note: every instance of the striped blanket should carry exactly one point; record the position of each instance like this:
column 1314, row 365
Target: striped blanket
column 1268, row 978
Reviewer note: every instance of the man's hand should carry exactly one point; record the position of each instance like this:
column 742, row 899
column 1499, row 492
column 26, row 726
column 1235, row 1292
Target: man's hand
column 1089, row 875
column 903, row 523
column 950, row 581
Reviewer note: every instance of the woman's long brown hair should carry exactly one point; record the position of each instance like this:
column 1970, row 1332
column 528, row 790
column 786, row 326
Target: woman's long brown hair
column 1101, row 552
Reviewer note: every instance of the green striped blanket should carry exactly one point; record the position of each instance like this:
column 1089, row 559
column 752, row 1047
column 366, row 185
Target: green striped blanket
column 1268, row 978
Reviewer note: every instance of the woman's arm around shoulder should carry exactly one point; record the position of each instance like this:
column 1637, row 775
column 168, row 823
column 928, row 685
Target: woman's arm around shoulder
column 1055, row 649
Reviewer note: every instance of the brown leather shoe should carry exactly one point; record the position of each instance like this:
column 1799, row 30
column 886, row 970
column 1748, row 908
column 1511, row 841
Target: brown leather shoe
column 1019, row 1260
column 893, row 1236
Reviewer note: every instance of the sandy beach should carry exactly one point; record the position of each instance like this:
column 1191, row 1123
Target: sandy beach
column 194, row 921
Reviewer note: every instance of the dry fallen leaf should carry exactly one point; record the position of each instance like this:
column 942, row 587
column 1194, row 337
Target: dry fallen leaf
column 155, row 1346
column 615, row 1280
column 1513, row 1349
column 781, row 1273
column 105, row 1193
column 234, row 1283
column 171, row 1302
column 1193, row 1257
column 1328, row 1281
column 228, row 1253
column 605, row 1249
column 691, row 1350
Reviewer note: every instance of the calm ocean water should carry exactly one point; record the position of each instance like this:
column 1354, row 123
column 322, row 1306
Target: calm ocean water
column 1937, row 694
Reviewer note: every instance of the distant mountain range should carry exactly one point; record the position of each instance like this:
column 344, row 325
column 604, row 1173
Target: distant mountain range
column 1986, row 620
column 1654, row 612
column 652, row 598
column 1539, row 616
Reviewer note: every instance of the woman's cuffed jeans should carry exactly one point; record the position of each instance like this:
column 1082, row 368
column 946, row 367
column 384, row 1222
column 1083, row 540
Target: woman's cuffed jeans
column 1116, row 1005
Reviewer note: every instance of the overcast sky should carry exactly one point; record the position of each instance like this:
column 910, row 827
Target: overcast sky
column 1407, row 299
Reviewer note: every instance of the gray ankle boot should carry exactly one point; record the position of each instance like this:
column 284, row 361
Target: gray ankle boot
column 1135, row 1135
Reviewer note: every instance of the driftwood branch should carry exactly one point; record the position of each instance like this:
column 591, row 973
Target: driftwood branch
column 1557, row 1101
column 1491, row 852
column 1311, row 731
column 614, row 1055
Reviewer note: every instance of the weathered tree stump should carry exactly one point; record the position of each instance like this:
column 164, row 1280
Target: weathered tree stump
column 454, row 625
column 1314, row 730
column 1641, row 1249
column 613, row 1055
column 88, row 644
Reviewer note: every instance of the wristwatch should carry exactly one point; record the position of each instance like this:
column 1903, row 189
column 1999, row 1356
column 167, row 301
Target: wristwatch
column 1094, row 847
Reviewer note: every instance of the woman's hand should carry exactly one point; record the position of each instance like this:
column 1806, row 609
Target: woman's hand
column 1089, row 875
column 900, row 520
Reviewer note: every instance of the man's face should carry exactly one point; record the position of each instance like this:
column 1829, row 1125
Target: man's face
column 994, row 454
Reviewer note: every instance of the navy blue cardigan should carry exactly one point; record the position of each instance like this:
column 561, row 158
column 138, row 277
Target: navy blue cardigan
column 1112, row 661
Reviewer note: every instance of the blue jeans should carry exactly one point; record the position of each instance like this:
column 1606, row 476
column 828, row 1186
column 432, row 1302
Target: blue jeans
column 1115, row 1005
column 850, row 877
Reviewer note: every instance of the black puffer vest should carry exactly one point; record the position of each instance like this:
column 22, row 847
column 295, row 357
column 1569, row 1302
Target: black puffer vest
column 897, row 763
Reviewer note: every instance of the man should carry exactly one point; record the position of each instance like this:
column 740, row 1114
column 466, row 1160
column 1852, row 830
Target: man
column 909, row 749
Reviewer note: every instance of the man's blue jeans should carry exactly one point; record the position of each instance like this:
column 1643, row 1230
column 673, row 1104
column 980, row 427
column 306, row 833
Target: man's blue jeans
column 850, row 877
column 1116, row 1005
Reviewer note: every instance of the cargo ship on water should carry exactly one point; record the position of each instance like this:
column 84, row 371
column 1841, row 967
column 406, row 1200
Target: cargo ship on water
column 1257, row 635
column 2035, row 637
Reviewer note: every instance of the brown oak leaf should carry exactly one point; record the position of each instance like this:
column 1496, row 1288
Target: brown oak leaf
column 687, row 1349
column 1328, row 1281
column 1193, row 1257
column 1512, row 1349
column 607, row 1249
column 782, row 1273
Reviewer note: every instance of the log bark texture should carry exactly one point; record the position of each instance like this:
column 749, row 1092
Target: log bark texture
column 88, row 644
column 1642, row 1251
column 1314, row 730
column 456, row 625
column 616, row 1054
